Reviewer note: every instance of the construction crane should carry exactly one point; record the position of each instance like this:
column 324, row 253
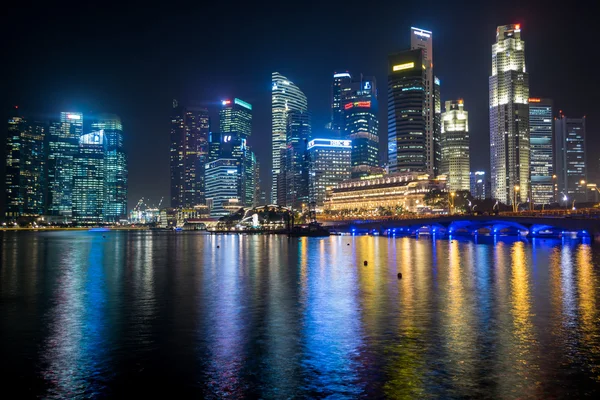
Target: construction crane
column 139, row 204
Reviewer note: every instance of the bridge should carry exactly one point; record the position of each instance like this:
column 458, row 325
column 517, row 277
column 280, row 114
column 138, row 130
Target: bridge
column 528, row 225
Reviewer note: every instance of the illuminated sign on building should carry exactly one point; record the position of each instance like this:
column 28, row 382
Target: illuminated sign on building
column 73, row 116
column 421, row 32
column 347, row 144
column 404, row 66
column 243, row 103
column 96, row 138
column 226, row 102
column 367, row 86
column 534, row 100
column 360, row 104
column 342, row 75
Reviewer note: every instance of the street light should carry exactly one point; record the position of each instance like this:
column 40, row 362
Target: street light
column 565, row 198
column 515, row 205
column 451, row 205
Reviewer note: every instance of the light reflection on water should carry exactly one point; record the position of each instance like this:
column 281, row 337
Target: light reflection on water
column 274, row 317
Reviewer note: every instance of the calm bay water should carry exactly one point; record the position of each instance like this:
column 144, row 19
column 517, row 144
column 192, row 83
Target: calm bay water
column 107, row 314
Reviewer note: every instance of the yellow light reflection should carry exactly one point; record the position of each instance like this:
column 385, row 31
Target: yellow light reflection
column 589, row 321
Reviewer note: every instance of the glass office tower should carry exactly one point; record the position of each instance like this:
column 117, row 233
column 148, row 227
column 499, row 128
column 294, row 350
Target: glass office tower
column 541, row 134
column 285, row 97
column 88, row 179
column 25, row 168
column 455, row 146
column 63, row 145
column 509, row 117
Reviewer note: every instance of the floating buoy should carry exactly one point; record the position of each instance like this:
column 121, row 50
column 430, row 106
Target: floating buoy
column 366, row 263
column 348, row 244
column 218, row 247
column 399, row 275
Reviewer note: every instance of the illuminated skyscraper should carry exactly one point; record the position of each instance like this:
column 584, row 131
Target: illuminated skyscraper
column 571, row 165
column 509, row 117
column 422, row 39
column 25, row 167
column 235, row 123
column 455, row 146
column 189, row 154
column 88, row 179
column 115, row 162
column 286, row 96
column 63, row 145
column 541, row 128
column 222, row 184
column 295, row 193
column 341, row 84
column 329, row 164
column 479, row 185
column 361, row 125
column 407, row 141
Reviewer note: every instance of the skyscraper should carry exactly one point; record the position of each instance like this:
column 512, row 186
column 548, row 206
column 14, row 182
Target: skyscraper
column 407, row 142
column 88, row 179
column 541, row 128
column 361, row 125
column 189, row 154
column 115, row 163
column 235, row 123
column 455, row 146
column 479, row 185
column 286, row 96
column 329, row 164
column 25, row 167
column 63, row 145
column 222, row 184
column 509, row 117
column 422, row 39
column 295, row 193
column 571, row 166
column 341, row 83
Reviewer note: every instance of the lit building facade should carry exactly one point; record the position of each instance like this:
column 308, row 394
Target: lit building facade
column 478, row 185
column 88, row 179
column 509, row 117
column 329, row 165
column 361, row 125
column 188, row 154
column 455, row 146
column 407, row 142
column 222, row 178
column 406, row 190
column 422, row 39
column 541, row 136
column 295, row 194
column 235, row 123
column 341, row 84
column 25, row 168
column 116, row 171
column 63, row 145
column 571, row 165
column 285, row 97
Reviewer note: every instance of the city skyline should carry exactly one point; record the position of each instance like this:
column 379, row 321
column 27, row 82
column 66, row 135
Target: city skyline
column 455, row 84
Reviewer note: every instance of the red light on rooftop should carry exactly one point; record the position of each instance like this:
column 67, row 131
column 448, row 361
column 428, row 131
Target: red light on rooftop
column 518, row 26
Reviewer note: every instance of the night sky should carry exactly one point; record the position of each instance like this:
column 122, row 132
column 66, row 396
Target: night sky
column 132, row 61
